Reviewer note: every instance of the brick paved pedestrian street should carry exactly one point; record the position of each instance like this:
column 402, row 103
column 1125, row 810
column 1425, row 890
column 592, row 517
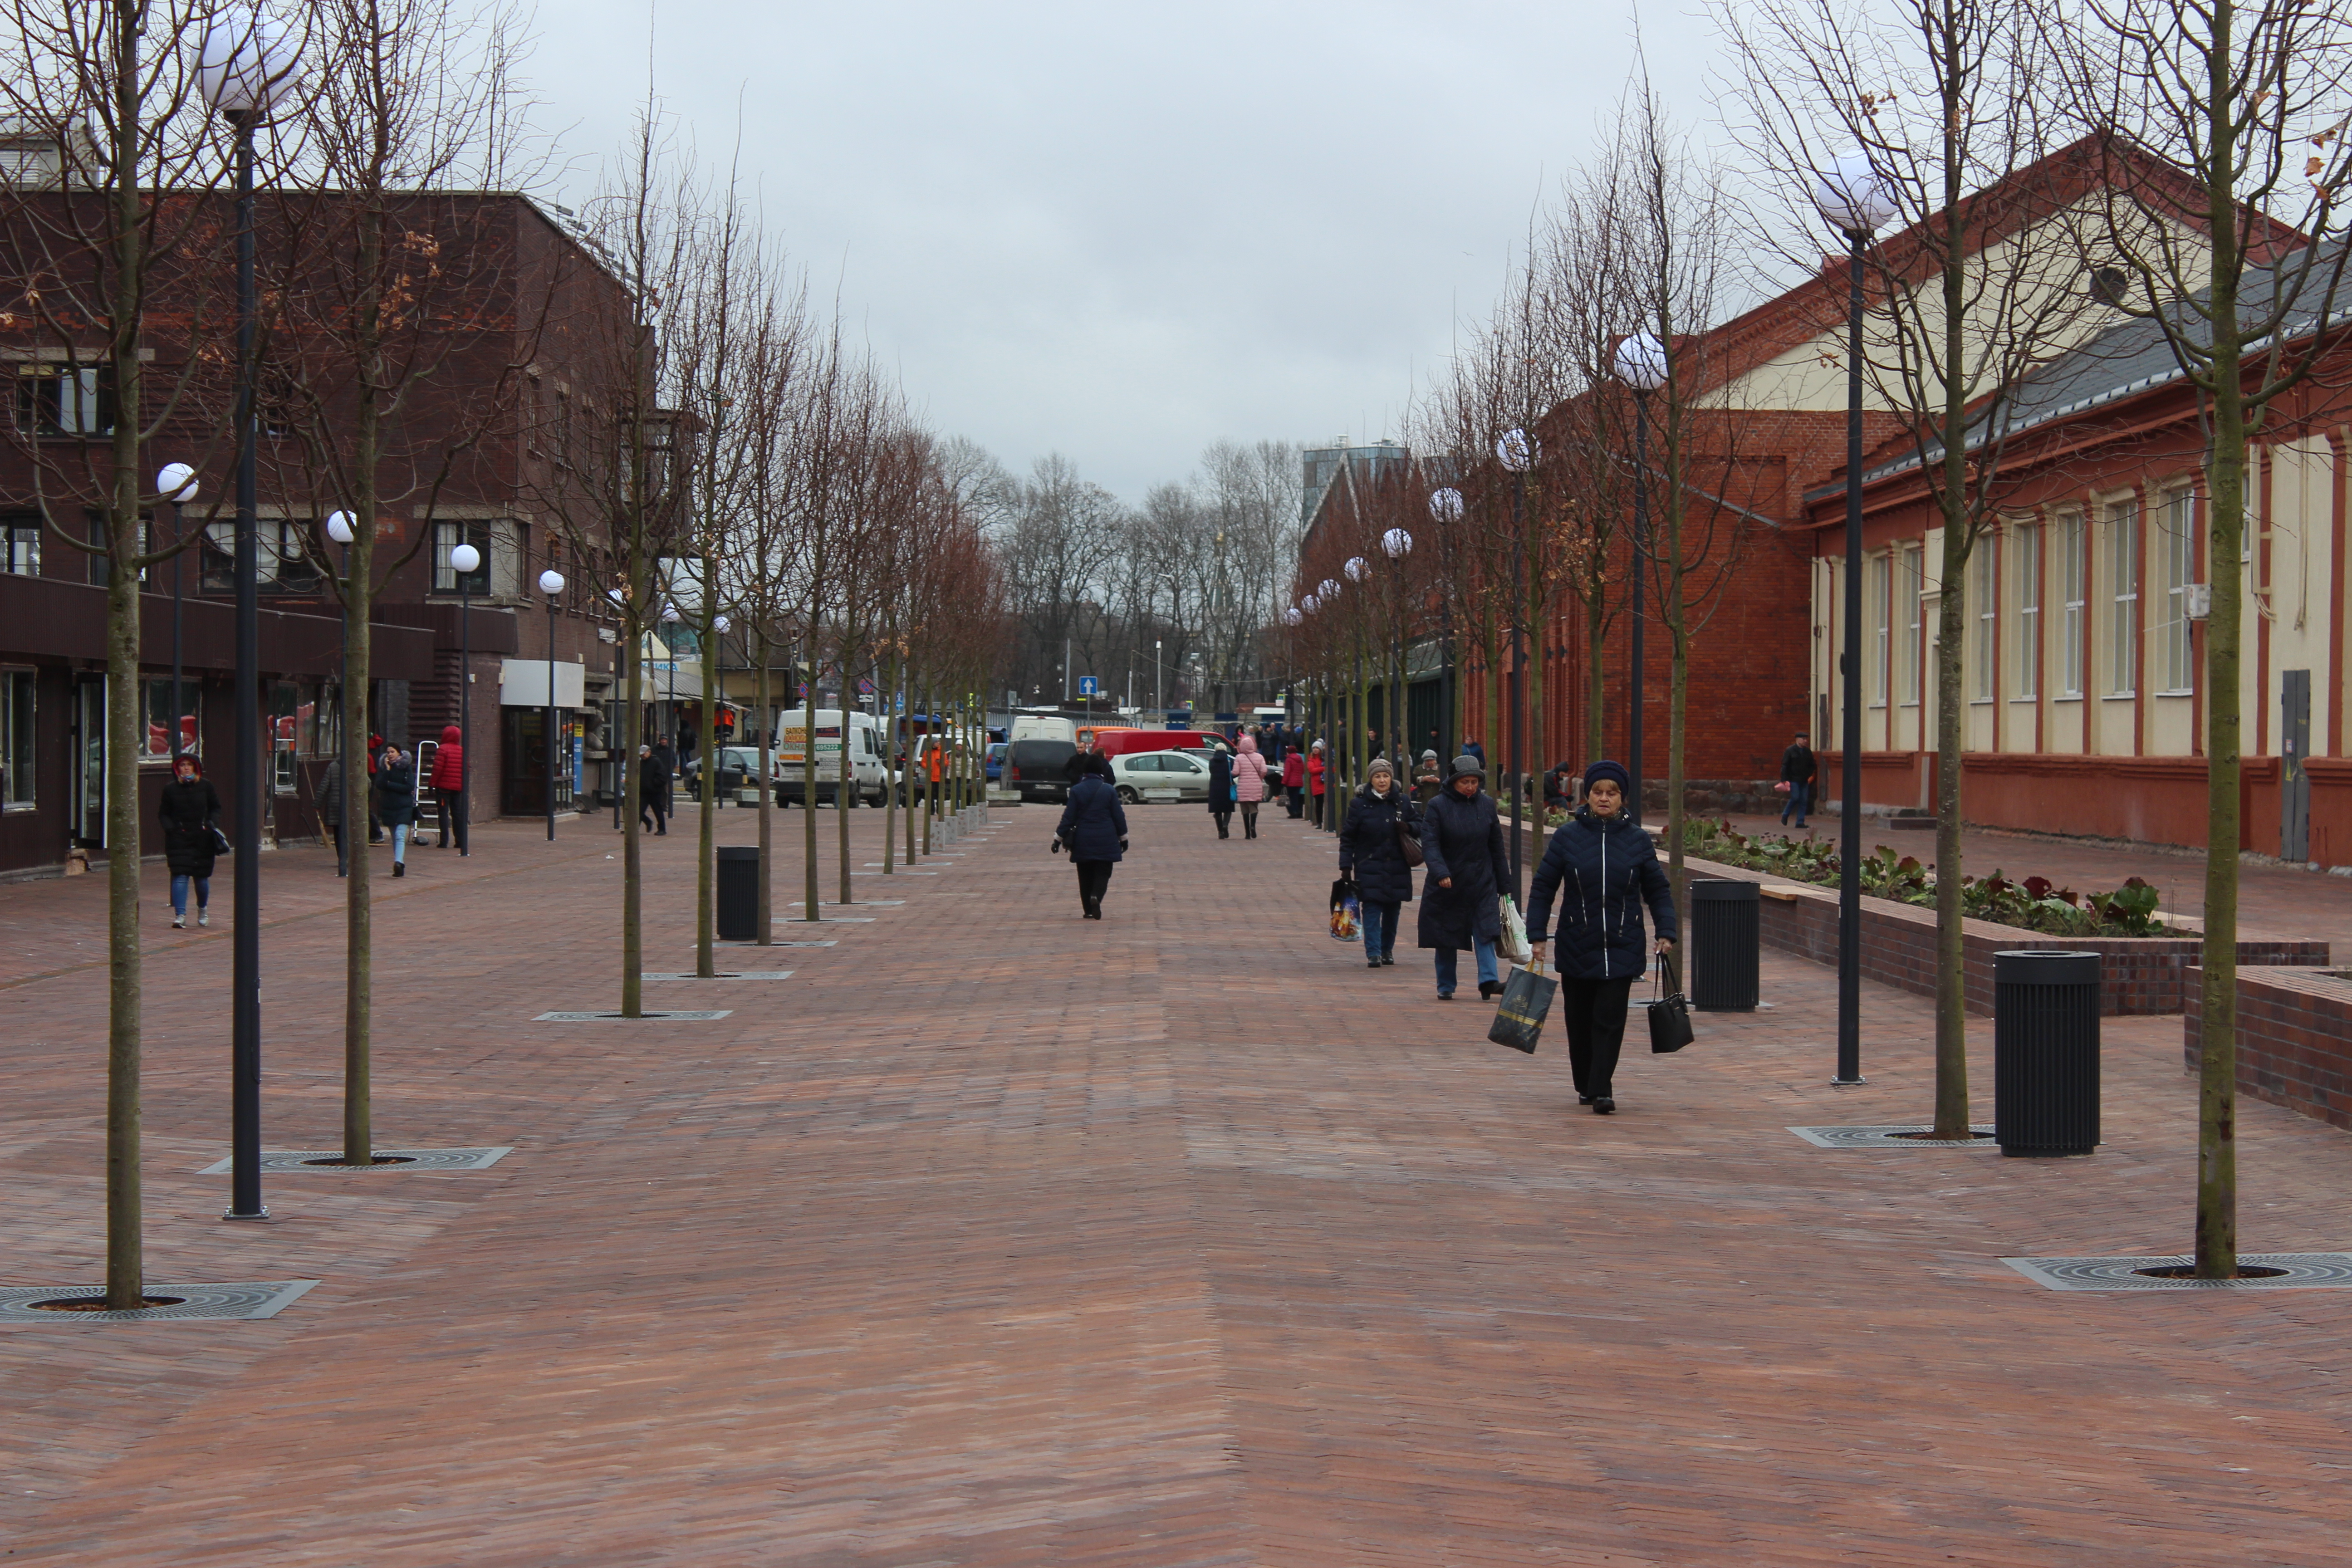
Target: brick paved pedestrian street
column 996, row 1235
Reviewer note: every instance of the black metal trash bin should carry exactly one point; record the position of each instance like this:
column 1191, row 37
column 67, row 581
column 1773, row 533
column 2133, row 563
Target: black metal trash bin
column 739, row 892
column 2045, row 1052
column 1727, row 929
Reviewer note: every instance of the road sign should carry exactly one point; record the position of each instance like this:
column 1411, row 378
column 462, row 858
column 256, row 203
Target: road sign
column 1089, row 687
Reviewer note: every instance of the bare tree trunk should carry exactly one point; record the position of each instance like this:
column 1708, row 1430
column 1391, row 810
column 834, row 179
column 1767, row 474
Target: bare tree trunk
column 808, row 760
column 844, row 793
column 125, row 1254
column 633, row 939
column 2217, row 1067
column 766, row 936
column 705, row 854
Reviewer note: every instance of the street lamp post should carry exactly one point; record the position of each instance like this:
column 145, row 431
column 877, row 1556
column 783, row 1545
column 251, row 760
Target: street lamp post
column 245, row 66
column 1517, row 455
column 465, row 560
column 1642, row 367
column 339, row 529
column 1849, row 195
column 176, row 483
column 1396, row 544
column 1445, row 511
column 551, row 582
column 1158, row 692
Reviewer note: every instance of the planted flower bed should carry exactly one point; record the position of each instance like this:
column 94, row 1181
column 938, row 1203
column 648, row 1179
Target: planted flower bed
column 2033, row 903
column 2137, row 973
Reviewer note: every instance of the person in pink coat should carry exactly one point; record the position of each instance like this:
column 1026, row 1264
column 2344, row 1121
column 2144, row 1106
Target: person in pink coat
column 1249, row 784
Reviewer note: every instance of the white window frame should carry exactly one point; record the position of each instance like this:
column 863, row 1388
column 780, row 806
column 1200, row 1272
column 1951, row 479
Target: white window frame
column 1879, row 596
column 1984, row 561
column 1911, row 583
column 2025, row 540
column 2123, row 598
column 2074, row 576
column 20, row 738
column 2177, row 677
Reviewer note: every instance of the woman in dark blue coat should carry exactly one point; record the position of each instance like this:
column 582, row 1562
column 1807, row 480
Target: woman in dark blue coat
column 1221, row 792
column 1462, row 835
column 1605, row 869
column 1368, row 851
column 1094, row 830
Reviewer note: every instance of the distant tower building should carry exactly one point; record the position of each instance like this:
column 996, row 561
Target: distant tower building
column 1324, row 464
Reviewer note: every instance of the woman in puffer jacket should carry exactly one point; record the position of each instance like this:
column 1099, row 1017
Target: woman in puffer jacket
column 1249, row 784
column 1372, row 854
column 1604, row 869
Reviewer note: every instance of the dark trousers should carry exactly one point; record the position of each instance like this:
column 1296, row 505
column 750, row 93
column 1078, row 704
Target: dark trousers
column 453, row 817
column 1249, row 819
column 1094, row 880
column 654, row 814
column 1319, row 809
column 1595, row 1013
column 1224, row 823
column 1297, row 794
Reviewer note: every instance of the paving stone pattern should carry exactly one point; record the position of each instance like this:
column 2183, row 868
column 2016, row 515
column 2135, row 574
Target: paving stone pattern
column 996, row 1235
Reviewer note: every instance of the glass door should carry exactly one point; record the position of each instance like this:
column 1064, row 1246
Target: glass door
column 90, row 764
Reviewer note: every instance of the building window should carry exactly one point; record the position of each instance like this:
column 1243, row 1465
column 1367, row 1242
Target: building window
column 284, row 728
column 2122, row 571
column 1913, row 586
column 446, row 537
column 2025, row 545
column 2074, row 583
column 1985, row 588
column 2178, row 524
column 20, row 549
column 60, row 400
column 155, row 742
column 1879, row 610
column 17, row 704
column 320, row 721
column 282, row 561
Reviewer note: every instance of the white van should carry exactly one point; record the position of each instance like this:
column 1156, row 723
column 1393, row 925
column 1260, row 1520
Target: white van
column 1043, row 727
column 869, row 775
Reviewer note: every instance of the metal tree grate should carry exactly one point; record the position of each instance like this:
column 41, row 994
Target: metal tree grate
column 2297, row 1271
column 1889, row 1137
column 281, row 1161
column 263, row 1298
column 722, row 975
column 649, row 1016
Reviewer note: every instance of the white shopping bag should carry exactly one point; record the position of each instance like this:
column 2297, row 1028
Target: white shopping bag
column 1514, row 934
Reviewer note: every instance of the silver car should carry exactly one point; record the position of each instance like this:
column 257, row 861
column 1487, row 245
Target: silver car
column 1160, row 776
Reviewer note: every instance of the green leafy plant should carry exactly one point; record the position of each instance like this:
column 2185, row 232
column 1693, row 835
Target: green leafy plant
column 2034, row 903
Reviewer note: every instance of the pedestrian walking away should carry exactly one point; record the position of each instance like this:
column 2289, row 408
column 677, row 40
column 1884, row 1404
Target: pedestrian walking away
column 653, row 790
column 1294, row 781
column 1249, row 784
column 1315, row 772
column 1094, row 830
column 448, row 788
column 396, row 803
column 1221, row 792
column 1798, row 771
column 1462, row 838
column 190, row 811
column 1603, row 868
column 1371, row 853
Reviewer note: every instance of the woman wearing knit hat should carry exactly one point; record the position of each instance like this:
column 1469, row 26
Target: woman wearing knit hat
column 1373, row 853
column 1462, row 838
column 1605, row 869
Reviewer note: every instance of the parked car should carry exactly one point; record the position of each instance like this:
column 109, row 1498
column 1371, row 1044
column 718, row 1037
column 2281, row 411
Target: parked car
column 1037, row 769
column 738, row 766
column 1120, row 743
column 995, row 764
column 1160, row 775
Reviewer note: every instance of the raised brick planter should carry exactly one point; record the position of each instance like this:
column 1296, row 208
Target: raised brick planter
column 2137, row 974
column 2294, row 1038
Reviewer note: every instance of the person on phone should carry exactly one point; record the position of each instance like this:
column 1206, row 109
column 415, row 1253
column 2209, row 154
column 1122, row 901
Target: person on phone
column 1603, row 869
column 396, row 803
column 1462, row 840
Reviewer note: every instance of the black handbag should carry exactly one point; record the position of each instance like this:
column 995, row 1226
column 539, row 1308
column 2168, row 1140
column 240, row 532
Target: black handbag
column 1670, row 1025
column 1409, row 845
column 1519, row 1017
column 221, row 846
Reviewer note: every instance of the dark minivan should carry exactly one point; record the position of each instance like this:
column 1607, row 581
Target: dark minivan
column 1038, row 769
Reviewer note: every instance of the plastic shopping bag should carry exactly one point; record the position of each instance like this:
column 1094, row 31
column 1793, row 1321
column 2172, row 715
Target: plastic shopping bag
column 1514, row 934
column 1519, row 1019
column 1347, row 911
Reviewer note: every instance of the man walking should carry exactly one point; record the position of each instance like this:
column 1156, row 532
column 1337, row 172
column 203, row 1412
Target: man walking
column 653, row 790
column 1797, row 771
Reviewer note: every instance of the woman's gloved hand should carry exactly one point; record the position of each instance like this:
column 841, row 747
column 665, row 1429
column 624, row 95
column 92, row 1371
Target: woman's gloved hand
column 1056, row 849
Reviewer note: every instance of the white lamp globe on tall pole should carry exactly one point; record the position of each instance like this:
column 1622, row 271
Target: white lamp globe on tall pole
column 464, row 561
column 1517, row 455
column 1514, row 451
column 551, row 582
column 245, row 65
column 1397, row 543
column 1852, row 199
column 1640, row 362
column 177, row 484
column 1445, row 505
column 1445, row 509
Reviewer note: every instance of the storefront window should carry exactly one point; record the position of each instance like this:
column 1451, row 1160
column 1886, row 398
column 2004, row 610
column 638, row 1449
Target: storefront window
column 285, row 706
column 155, row 741
column 17, row 740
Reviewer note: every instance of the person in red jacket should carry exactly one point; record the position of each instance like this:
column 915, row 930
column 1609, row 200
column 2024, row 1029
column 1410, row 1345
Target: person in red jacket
column 449, row 788
column 1315, row 780
column 1294, row 780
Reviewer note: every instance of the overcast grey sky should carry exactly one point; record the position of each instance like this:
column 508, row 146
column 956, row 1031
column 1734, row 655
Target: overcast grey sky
column 1123, row 231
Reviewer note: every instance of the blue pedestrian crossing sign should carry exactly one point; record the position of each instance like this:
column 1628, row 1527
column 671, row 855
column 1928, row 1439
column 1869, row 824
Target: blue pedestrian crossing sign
column 1089, row 687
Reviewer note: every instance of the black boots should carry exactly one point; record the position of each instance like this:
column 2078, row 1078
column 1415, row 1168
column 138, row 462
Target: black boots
column 1602, row 1105
column 1489, row 989
column 1093, row 907
column 400, row 867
